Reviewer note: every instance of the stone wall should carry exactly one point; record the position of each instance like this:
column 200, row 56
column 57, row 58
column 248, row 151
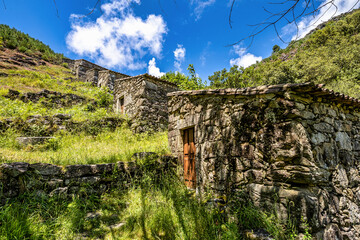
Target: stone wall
column 145, row 101
column 92, row 76
column 49, row 98
column 81, row 66
column 291, row 148
column 107, row 78
column 38, row 126
column 42, row 178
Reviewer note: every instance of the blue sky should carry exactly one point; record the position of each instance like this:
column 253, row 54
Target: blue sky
column 156, row 36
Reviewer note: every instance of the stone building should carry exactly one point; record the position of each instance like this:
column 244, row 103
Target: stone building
column 86, row 71
column 99, row 76
column 294, row 148
column 106, row 78
column 143, row 99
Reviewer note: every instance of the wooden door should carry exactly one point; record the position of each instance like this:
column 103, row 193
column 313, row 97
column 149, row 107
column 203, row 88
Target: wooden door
column 189, row 158
column 122, row 105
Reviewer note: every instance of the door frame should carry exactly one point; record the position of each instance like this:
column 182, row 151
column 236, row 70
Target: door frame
column 195, row 164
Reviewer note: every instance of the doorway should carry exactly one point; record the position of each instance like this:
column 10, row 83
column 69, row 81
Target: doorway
column 189, row 158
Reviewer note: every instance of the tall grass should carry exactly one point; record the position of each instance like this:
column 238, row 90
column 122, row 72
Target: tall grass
column 159, row 206
column 16, row 108
column 68, row 148
column 50, row 77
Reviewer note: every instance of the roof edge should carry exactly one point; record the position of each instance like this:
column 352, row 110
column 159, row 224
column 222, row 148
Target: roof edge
column 308, row 87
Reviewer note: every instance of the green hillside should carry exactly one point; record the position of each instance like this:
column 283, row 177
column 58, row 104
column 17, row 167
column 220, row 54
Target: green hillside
column 330, row 55
column 14, row 39
column 94, row 133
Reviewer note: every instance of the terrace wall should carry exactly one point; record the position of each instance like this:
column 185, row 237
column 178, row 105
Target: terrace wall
column 41, row 178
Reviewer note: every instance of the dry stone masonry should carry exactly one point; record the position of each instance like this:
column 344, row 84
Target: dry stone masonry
column 86, row 71
column 294, row 148
column 143, row 98
column 82, row 180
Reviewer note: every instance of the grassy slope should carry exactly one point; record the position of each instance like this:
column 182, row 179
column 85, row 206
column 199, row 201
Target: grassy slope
column 79, row 148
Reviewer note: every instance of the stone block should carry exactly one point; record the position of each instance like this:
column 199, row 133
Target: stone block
column 343, row 140
column 324, row 127
column 25, row 141
column 84, row 170
column 318, row 138
column 46, row 169
column 13, row 169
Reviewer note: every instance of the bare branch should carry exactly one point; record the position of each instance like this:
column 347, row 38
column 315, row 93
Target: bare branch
column 3, row 1
column 231, row 9
column 291, row 12
column 57, row 10
column 92, row 10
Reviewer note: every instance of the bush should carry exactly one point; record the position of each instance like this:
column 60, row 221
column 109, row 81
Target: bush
column 105, row 98
column 22, row 49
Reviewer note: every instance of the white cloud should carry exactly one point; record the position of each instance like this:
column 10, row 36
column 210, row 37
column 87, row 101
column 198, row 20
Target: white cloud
column 179, row 55
column 153, row 70
column 327, row 12
column 245, row 59
column 200, row 5
column 118, row 38
column 204, row 54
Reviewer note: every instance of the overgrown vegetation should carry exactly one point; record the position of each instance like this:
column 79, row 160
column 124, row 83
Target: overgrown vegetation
column 330, row 55
column 54, row 78
column 158, row 206
column 14, row 39
column 190, row 82
column 82, row 148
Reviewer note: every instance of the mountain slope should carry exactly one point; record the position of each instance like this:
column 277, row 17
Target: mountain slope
column 329, row 55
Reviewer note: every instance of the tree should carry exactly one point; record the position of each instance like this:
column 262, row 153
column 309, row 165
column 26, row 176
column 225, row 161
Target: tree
column 191, row 82
column 276, row 48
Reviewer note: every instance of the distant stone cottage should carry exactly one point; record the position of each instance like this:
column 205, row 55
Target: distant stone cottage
column 99, row 76
column 292, row 147
column 143, row 98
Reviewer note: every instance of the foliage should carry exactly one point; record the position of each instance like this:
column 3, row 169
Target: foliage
column 330, row 55
column 54, row 78
column 191, row 82
column 82, row 148
column 105, row 98
column 14, row 39
column 276, row 48
column 157, row 206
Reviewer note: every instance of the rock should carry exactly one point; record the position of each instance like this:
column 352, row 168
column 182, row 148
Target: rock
column 144, row 155
column 14, row 169
column 319, row 138
column 62, row 116
column 259, row 234
column 324, row 127
column 25, row 141
column 92, row 215
column 47, row 169
column 61, row 191
column 84, row 170
column 343, row 140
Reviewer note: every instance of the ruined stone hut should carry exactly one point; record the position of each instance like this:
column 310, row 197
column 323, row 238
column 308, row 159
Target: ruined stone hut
column 143, row 98
column 99, row 76
column 296, row 145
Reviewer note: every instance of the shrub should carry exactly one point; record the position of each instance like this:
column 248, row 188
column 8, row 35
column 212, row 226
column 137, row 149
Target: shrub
column 22, row 49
